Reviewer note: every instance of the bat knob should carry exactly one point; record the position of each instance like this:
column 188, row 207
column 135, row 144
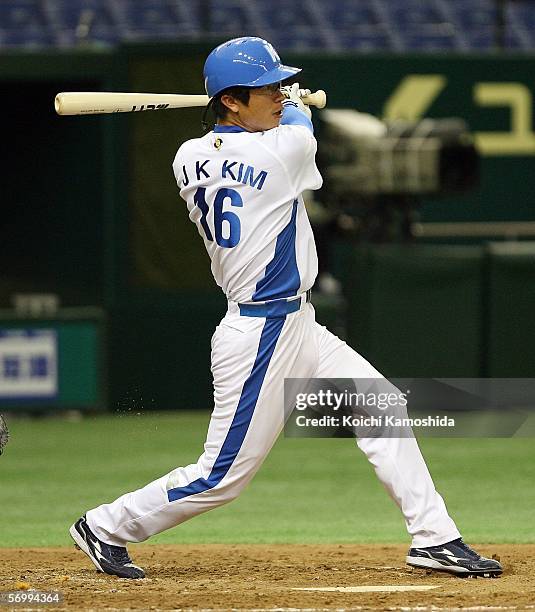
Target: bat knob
column 320, row 98
column 317, row 99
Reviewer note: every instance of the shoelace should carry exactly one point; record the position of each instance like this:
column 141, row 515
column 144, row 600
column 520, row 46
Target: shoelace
column 120, row 555
column 468, row 551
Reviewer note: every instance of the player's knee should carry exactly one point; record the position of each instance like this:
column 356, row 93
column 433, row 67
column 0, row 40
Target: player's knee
column 237, row 479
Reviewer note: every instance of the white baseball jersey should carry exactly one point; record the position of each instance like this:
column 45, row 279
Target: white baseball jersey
column 250, row 214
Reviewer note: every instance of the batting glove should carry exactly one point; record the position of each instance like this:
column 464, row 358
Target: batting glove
column 293, row 98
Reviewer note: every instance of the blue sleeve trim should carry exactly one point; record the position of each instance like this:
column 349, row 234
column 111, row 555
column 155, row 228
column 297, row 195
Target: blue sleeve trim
column 291, row 115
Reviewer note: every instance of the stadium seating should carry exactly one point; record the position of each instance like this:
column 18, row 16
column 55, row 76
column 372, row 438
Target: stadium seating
column 24, row 24
column 229, row 20
column 331, row 25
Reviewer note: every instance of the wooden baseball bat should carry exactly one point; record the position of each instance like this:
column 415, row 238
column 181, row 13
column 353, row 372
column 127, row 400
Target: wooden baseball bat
column 98, row 102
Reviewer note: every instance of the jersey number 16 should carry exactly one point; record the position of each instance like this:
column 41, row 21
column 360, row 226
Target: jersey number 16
column 232, row 219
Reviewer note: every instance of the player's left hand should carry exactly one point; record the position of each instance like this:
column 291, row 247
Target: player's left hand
column 293, row 96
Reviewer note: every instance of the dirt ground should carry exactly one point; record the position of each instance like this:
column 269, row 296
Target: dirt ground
column 266, row 577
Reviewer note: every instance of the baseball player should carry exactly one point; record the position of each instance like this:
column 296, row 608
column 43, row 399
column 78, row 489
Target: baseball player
column 242, row 183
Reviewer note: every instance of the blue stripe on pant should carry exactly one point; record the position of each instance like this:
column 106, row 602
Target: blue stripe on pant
column 242, row 418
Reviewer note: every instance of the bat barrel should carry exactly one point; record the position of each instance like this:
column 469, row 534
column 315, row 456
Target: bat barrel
column 98, row 102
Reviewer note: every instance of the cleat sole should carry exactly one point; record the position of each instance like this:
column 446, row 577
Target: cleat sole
column 461, row 572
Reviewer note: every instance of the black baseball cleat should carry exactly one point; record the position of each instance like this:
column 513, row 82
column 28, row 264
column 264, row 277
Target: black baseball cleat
column 454, row 557
column 109, row 559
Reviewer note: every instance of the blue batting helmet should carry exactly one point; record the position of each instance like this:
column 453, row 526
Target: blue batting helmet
column 247, row 61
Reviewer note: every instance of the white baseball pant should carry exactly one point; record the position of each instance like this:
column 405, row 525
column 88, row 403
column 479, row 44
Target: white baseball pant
column 251, row 357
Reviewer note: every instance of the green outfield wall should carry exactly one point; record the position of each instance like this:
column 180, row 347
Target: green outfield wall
column 93, row 214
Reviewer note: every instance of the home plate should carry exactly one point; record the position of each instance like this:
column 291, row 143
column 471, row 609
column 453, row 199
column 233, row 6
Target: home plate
column 369, row 589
